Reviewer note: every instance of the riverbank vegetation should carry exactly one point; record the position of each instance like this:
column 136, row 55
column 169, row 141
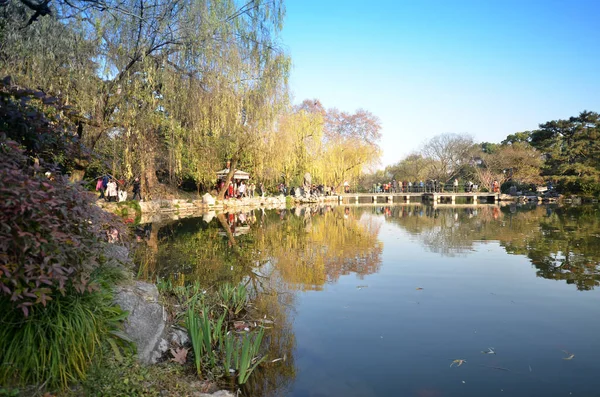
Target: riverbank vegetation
column 56, row 278
column 162, row 90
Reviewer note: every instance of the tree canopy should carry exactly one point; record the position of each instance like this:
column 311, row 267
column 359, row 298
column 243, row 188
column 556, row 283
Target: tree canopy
column 172, row 90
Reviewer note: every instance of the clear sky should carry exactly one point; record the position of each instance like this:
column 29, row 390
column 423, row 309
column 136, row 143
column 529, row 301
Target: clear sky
column 488, row 68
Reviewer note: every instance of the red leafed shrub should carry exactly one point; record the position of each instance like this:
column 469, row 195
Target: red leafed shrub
column 51, row 233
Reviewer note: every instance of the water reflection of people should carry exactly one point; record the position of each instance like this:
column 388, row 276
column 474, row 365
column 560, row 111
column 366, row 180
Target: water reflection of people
column 242, row 218
column 496, row 212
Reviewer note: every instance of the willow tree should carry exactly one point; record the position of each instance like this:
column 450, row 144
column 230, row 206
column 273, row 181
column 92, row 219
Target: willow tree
column 351, row 143
column 141, row 71
column 224, row 85
column 297, row 144
column 54, row 57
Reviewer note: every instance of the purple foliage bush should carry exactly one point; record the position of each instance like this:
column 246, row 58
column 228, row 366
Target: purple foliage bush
column 52, row 235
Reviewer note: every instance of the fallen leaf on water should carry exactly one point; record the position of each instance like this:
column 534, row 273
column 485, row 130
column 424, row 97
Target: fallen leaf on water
column 419, row 288
column 570, row 355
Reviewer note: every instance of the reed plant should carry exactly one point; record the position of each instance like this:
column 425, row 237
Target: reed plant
column 233, row 298
column 213, row 344
column 242, row 353
column 196, row 336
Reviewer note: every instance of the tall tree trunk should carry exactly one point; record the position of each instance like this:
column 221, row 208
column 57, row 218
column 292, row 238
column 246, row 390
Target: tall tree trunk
column 78, row 171
column 234, row 161
column 149, row 174
column 76, row 176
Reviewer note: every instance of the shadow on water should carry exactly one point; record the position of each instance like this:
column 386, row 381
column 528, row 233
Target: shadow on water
column 301, row 253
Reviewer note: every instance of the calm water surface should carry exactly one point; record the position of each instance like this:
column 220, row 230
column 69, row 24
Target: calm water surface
column 379, row 301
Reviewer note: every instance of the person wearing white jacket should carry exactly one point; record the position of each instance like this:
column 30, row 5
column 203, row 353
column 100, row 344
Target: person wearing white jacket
column 111, row 190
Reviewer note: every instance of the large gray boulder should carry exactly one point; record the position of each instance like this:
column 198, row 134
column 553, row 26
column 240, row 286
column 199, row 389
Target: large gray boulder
column 146, row 322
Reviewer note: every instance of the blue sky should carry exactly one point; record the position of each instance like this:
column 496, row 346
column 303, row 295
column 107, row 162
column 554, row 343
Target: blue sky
column 488, row 68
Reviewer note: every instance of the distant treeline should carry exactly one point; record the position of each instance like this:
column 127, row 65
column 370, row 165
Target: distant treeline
column 564, row 153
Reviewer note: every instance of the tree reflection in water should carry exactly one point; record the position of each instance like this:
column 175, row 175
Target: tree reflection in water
column 274, row 253
column 278, row 253
column 563, row 243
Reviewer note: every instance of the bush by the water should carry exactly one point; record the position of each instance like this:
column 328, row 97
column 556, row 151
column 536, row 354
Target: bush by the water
column 51, row 234
column 55, row 287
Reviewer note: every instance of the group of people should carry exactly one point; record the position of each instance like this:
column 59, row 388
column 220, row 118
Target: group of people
column 113, row 190
column 239, row 189
column 399, row 187
column 430, row 186
column 311, row 190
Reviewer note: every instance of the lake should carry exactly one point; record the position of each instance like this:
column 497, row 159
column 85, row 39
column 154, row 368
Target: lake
column 406, row 300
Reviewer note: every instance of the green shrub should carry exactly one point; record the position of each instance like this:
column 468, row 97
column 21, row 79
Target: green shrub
column 51, row 234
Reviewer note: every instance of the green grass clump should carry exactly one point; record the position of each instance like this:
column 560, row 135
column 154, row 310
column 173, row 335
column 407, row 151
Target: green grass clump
column 242, row 353
column 55, row 344
column 233, row 298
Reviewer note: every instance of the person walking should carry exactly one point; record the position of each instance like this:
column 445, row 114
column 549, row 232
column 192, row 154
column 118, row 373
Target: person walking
column 104, row 186
column 100, row 188
column 137, row 189
column 455, row 185
column 242, row 190
column 111, row 190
